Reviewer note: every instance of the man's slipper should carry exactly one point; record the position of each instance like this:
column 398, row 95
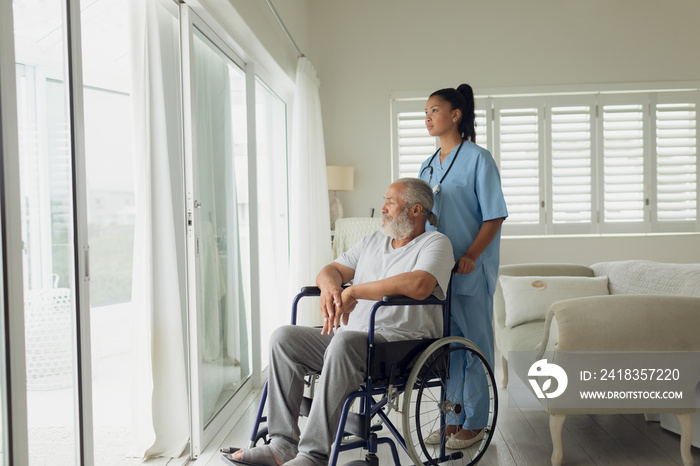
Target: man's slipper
column 257, row 456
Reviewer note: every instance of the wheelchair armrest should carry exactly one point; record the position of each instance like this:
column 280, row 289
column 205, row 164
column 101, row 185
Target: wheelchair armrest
column 314, row 289
column 394, row 298
column 400, row 299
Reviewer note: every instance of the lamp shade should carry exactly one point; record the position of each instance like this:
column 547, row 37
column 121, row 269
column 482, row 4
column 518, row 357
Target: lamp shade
column 339, row 178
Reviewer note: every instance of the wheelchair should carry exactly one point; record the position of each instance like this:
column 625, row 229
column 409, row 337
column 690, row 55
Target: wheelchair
column 420, row 371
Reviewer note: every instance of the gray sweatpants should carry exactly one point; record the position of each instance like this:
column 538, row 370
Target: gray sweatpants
column 294, row 351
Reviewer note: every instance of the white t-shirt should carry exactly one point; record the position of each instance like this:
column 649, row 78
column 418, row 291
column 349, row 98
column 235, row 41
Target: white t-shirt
column 373, row 258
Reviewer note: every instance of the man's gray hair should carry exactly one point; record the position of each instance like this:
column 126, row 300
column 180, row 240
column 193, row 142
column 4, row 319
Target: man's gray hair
column 419, row 192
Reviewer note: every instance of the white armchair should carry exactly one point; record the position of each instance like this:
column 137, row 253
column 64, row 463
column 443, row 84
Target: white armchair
column 349, row 231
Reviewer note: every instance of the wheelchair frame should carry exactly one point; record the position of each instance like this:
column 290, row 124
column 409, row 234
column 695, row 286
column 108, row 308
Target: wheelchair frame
column 359, row 424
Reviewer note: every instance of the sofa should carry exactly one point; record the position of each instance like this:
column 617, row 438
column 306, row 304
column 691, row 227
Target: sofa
column 647, row 306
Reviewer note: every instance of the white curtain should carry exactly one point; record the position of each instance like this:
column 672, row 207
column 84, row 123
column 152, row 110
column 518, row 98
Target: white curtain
column 310, row 235
column 159, row 385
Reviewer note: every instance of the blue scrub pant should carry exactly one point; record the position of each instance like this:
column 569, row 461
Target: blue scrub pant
column 471, row 318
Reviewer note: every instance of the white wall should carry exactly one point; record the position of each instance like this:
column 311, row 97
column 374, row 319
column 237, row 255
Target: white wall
column 681, row 249
column 365, row 50
column 257, row 35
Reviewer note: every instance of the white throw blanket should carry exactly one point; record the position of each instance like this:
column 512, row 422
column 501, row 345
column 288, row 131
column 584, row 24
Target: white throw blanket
column 645, row 277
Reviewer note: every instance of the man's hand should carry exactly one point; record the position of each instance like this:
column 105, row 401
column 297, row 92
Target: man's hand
column 329, row 281
column 331, row 298
column 340, row 307
column 347, row 305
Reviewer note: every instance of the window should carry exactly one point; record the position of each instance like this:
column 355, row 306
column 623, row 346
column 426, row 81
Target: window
column 519, row 142
column 623, row 175
column 676, row 147
column 413, row 144
column 579, row 163
column 571, row 163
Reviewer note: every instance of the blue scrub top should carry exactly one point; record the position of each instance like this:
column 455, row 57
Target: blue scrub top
column 469, row 195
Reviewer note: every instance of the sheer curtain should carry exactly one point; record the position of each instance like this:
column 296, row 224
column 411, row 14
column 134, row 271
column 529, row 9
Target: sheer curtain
column 310, row 235
column 159, row 385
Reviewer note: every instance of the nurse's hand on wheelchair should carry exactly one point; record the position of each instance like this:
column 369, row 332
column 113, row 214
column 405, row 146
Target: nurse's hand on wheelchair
column 465, row 265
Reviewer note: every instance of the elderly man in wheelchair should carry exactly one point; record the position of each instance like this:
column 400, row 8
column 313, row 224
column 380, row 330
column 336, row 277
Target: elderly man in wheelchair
column 404, row 260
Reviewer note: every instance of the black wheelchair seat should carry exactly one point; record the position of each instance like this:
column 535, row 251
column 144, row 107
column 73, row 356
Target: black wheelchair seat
column 392, row 361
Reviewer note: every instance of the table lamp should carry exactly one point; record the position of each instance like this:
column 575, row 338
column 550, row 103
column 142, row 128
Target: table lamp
column 339, row 179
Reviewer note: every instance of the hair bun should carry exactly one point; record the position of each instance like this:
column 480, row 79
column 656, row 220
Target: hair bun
column 466, row 90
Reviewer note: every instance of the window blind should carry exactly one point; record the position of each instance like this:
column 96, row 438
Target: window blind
column 414, row 144
column 623, row 163
column 571, row 164
column 482, row 135
column 518, row 137
column 676, row 162
column 609, row 162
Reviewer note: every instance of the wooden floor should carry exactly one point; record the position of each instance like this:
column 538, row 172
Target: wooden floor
column 522, row 438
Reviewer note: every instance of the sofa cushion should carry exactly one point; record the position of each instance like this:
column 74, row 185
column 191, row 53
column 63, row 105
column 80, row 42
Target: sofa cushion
column 524, row 337
column 646, row 277
column 528, row 298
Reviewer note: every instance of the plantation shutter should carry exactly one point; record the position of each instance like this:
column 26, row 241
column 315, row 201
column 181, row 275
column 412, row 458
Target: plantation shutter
column 676, row 161
column 571, row 163
column 413, row 144
column 623, row 138
column 519, row 145
column 579, row 163
column 481, row 120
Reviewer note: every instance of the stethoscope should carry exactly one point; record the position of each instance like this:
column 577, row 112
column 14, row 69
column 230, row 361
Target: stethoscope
column 436, row 188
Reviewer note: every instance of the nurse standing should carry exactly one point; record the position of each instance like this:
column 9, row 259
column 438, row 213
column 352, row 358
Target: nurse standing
column 470, row 205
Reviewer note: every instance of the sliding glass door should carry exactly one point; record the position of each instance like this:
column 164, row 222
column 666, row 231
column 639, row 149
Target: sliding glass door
column 9, row 322
column 216, row 173
column 47, row 230
column 48, row 157
column 72, row 134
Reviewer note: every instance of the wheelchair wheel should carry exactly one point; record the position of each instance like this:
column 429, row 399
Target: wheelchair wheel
column 451, row 383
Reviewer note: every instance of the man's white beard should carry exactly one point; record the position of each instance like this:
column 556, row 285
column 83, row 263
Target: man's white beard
column 399, row 227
